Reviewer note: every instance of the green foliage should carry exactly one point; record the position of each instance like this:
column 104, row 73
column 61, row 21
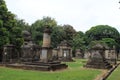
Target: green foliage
column 1, row 23
column 40, row 24
column 94, row 43
column 22, row 24
column 81, row 34
column 37, row 28
column 106, row 42
column 69, row 33
column 48, row 21
column 3, row 37
column 16, row 37
column 8, row 20
column 74, row 72
column 57, row 35
column 102, row 31
column 110, row 42
column 105, row 33
column 3, row 7
column 9, row 33
column 79, row 41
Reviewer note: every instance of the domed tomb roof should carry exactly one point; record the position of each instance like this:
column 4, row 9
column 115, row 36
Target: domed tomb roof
column 98, row 46
column 26, row 35
column 64, row 43
column 47, row 29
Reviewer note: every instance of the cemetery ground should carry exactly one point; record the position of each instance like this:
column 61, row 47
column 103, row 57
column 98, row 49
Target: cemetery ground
column 75, row 71
column 115, row 75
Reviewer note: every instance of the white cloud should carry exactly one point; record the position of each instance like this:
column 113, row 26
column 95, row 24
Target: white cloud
column 81, row 14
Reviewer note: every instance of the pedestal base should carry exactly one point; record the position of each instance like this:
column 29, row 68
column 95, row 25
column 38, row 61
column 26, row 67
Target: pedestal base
column 41, row 66
column 98, row 63
column 46, row 54
column 64, row 59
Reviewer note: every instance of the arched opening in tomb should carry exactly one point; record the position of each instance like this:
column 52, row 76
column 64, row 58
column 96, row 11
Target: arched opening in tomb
column 1, row 57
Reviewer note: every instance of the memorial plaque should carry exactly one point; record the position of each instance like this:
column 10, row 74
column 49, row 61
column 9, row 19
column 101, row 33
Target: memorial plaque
column 44, row 54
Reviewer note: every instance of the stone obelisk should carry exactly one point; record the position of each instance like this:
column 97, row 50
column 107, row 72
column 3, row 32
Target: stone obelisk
column 46, row 54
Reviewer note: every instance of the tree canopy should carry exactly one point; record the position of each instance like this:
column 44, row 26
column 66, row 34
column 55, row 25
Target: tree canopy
column 103, row 33
column 8, row 27
column 79, row 41
column 58, row 35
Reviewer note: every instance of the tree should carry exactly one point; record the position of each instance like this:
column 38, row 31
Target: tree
column 37, row 28
column 110, row 42
column 4, row 39
column 22, row 24
column 16, row 37
column 79, row 41
column 102, row 31
column 57, row 35
column 69, row 33
column 7, row 26
column 40, row 24
column 6, row 17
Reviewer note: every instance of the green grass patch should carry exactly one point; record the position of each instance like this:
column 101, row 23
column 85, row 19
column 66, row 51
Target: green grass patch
column 115, row 75
column 75, row 71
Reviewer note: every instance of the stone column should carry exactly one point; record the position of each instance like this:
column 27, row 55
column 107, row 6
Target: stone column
column 46, row 38
column 46, row 54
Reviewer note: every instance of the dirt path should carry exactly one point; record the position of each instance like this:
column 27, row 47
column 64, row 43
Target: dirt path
column 103, row 73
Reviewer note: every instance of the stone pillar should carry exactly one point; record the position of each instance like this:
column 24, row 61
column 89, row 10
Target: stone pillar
column 46, row 38
column 46, row 54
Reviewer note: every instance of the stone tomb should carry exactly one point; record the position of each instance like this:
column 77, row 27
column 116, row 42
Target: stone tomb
column 9, row 54
column 29, row 50
column 97, row 58
column 64, row 51
column 111, row 55
column 55, row 54
column 45, row 63
column 86, row 54
column 79, row 53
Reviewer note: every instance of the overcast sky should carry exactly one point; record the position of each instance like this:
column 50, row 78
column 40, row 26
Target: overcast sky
column 81, row 14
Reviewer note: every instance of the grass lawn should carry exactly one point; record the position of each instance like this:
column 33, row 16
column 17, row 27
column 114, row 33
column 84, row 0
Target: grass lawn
column 115, row 75
column 75, row 71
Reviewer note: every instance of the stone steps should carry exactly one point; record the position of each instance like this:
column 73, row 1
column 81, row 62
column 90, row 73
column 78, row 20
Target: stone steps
column 38, row 66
